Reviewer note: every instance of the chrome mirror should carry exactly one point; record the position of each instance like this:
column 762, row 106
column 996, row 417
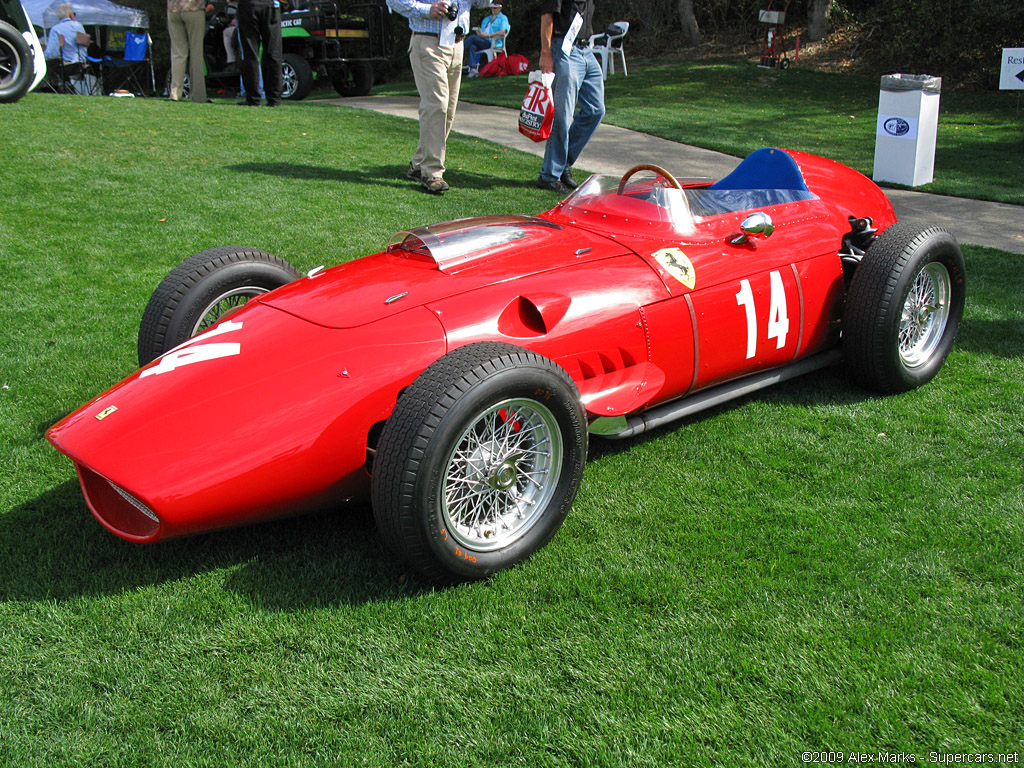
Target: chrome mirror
column 757, row 224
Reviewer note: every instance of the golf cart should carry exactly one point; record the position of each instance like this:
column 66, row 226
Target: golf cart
column 321, row 40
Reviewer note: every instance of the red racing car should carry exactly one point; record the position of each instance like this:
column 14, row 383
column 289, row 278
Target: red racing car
column 455, row 377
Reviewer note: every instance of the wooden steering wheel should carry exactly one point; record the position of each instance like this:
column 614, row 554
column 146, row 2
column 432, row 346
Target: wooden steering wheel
column 647, row 167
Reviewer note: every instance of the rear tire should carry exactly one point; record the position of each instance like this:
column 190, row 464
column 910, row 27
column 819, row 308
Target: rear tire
column 480, row 462
column 353, row 79
column 186, row 86
column 201, row 290
column 904, row 307
column 17, row 68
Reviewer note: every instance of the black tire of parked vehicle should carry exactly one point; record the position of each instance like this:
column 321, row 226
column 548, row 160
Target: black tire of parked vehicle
column 16, row 64
column 354, row 79
column 298, row 77
column 186, row 86
column 480, row 462
column 202, row 289
column 903, row 308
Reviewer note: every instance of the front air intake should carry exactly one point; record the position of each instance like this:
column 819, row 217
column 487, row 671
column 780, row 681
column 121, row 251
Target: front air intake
column 116, row 509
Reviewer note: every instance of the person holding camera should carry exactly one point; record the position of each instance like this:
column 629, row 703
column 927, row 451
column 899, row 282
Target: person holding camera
column 435, row 53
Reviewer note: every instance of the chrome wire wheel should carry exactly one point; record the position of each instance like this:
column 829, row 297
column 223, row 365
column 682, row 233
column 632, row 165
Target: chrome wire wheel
column 501, row 475
column 224, row 304
column 903, row 308
column 925, row 315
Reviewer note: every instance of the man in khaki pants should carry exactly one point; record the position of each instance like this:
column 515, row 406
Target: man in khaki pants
column 435, row 52
column 186, row 24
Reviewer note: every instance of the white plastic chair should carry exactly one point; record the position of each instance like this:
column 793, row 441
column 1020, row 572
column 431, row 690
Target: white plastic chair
column 493, row 51
column 607, row 44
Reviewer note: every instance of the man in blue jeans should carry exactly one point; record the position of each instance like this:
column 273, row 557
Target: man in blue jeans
column 565, row 30
column 259, row 24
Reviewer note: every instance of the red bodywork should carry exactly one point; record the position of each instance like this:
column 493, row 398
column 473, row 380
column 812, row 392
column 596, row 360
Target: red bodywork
column 273, row 411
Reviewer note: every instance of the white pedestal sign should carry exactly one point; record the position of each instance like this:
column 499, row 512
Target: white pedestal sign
column 1011, row 72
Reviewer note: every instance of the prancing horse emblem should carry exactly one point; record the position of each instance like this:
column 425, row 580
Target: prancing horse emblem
column 678, row 265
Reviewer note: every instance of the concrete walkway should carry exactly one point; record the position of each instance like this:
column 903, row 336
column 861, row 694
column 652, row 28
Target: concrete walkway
column 614, row 150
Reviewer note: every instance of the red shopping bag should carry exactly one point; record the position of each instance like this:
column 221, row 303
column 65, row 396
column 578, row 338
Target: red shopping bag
column 495, row 67
column 537, row 111
column 517, row 64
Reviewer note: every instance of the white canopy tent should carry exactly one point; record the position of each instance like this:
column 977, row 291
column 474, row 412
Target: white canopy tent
column 111, row 22
column 43, row 13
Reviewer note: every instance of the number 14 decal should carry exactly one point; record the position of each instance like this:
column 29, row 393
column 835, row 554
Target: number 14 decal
column 778, row 320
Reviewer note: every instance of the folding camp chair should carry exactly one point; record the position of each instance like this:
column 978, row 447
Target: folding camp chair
column 133, row 72
column 73, row 77
column 78, row 78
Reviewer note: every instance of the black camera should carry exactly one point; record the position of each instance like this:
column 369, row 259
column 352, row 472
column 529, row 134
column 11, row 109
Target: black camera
column 453, row 12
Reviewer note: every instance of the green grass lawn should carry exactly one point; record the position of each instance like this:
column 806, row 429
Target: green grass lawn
column 812, row 568
column 732, row 106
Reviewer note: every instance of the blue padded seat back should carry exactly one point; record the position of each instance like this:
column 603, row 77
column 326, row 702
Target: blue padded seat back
column 135, row 46
column 767, row 168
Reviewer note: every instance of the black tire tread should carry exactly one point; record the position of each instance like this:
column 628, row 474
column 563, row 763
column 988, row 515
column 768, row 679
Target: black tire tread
column 176, row 285
column 355, row 81
column 15, row 89
column 405, row 438
column 869, row 303
column 303, row 74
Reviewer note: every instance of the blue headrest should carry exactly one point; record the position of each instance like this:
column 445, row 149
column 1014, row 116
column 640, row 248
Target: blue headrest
column 767, row 168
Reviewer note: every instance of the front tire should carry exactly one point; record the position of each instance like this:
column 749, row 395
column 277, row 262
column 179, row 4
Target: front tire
column 201, row 290
column 16, row 64
column 480, row 462
column 297, row 77
column 904, row 307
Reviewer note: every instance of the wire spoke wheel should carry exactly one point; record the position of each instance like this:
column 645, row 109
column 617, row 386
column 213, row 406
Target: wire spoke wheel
column 501, row 474
column 925, row 315
column 224, row 304
column 478, row 465
column 903, row 308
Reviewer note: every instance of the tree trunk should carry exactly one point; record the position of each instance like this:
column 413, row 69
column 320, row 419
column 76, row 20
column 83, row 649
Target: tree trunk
column 691, row 32
column 818, row 12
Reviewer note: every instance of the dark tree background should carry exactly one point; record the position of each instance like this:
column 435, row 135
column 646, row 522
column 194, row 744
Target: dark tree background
column 958, row 40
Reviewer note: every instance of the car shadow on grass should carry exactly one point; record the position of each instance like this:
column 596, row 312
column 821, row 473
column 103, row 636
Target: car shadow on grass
column 376, row 176
column 51, row 549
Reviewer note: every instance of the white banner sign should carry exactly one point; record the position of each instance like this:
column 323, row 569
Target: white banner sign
column 897, row 127
column 1011, row 73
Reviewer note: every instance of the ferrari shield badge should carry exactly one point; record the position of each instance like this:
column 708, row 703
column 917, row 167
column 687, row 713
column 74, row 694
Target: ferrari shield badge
column 105, row 412
column 678, row 265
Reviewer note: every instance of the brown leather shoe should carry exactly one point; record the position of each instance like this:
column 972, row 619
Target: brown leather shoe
column 435, row 186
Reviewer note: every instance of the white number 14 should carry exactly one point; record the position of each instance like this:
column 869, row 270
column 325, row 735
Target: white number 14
column 778, row 321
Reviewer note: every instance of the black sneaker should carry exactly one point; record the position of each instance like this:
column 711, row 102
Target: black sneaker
column 555, row 185
column 435, row 186
column 412, row 174
column 567, row 179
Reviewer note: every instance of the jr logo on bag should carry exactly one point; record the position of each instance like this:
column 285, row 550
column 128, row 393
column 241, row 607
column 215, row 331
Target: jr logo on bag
column 537, row 111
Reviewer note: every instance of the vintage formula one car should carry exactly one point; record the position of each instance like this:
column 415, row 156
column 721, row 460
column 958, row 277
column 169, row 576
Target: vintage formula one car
column 455, row 377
